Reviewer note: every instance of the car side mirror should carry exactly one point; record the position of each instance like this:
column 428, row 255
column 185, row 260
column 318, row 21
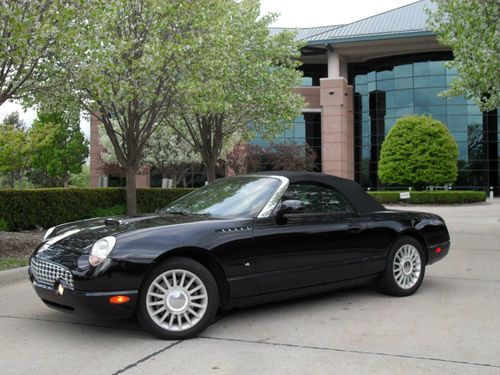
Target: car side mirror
column 291, row 206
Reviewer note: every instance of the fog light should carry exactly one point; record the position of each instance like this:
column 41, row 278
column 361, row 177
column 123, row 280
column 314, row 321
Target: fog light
column 116, row 300
column 60, row 290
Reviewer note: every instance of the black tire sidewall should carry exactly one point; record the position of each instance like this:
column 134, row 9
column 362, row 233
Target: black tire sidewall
column 387, row 283
column 212, row 305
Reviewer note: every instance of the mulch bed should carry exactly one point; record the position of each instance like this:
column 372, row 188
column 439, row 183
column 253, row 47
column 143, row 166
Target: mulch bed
column 19, row 244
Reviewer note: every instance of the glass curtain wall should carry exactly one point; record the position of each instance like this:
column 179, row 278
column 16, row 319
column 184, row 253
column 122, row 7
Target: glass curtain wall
column 386, row 90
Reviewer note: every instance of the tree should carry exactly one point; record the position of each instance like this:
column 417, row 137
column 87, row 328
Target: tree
column 470, row 28
column 32, row 33
column 242, row 81
column 15, row 152
column 125, row 65
column 418, row 151
column 165, row 151
column 275, row 156
column 14, row 120
column 59, row 147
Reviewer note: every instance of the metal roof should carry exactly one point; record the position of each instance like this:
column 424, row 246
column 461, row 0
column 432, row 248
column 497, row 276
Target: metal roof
column 405, row 21
column 305, row 33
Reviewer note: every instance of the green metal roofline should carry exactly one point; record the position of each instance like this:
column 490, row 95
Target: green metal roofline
column 364, row 38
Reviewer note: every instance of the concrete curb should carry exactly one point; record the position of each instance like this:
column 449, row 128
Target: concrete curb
column 12, row 276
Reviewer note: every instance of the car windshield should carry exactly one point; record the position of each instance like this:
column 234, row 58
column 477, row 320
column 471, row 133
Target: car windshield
column 227, row 197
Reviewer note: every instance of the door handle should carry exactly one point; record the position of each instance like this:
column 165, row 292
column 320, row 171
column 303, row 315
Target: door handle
column 354, row 229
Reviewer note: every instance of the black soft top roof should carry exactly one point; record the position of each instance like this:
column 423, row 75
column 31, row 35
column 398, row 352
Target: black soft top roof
column 351, row 190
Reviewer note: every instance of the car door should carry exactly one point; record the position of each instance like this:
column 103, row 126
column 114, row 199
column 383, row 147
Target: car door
column 323, row 243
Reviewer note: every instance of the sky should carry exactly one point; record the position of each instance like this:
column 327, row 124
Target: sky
column 291, row 13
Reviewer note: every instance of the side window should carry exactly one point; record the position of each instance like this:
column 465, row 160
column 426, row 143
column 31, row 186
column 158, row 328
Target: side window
column 318, row 198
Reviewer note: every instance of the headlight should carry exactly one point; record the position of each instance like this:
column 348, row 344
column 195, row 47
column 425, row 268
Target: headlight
column 101, row 250
column 48, row 233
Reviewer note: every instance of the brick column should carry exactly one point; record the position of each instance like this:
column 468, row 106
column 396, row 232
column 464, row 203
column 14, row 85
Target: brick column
column 337, row 127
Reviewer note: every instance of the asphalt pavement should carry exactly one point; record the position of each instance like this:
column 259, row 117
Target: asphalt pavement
column 451, row 326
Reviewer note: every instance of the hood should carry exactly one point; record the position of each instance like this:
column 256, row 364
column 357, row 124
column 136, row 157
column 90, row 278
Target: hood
column 79, row 236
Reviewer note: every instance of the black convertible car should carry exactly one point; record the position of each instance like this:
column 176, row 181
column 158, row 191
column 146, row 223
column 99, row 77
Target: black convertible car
column 239, row 241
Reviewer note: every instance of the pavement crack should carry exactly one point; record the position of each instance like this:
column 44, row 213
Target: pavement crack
column 351, row 351
column 144, row 359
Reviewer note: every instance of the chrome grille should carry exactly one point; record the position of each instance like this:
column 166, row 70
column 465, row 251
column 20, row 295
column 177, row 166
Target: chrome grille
column 47, row 272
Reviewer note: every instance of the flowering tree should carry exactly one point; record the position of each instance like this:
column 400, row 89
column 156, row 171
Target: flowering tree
column 470, row 28
column 241, row 82
column 165, row 151
column 32, row 33
column 124, row 66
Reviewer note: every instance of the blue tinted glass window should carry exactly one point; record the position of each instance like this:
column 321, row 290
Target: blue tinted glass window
column 424, row 97
column 451, row 71
column 437, row 67
column 362, row 89
column 306, row 81
column 456, row 123
column 360, row 79
column 385, row 74
column 403, row 98
column 460, row 136
column 403, row 71
column 429, row 81
column 389, row 99
column 403, row 83
column 404, row 111
column 386, row 85
column 456, row 100
column 457, row 110
column 299, row 130
column 421, row 68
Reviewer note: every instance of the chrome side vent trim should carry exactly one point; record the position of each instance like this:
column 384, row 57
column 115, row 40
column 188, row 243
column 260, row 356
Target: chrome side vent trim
column 234, row 229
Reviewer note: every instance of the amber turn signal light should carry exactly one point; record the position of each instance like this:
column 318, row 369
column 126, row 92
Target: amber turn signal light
column 116, row 300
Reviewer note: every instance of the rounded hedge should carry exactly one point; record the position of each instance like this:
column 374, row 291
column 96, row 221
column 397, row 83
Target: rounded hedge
column 418, row 151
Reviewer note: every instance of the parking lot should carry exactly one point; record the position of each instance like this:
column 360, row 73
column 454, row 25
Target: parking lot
column 452, row 325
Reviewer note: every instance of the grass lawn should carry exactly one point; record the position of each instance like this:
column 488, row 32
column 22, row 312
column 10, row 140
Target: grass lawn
column 8, row 263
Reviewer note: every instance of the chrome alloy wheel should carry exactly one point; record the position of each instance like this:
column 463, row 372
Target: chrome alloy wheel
column 407, row 266
column 177, row 300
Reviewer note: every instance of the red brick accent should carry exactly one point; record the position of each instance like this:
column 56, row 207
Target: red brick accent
column 337, row 127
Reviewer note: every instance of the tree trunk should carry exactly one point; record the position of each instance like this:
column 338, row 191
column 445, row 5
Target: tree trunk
column 211, row 163
column 131, row 191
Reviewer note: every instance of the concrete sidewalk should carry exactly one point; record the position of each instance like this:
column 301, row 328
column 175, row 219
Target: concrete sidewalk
column 452, row 325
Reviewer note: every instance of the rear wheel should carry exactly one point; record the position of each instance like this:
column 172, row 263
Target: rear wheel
column 405, row 268
column 178, row 300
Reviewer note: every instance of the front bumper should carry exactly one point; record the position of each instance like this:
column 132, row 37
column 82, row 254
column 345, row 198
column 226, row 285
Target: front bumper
column 95, row 304
column 433, row 255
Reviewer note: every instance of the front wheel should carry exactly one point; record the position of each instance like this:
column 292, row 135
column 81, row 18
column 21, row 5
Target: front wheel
column 178, row 300
column 404, row 270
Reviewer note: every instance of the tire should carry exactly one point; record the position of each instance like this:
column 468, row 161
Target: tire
column 178, row 299
column 404, row 269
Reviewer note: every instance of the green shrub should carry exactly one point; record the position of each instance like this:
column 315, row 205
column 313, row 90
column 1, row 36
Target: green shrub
column 430, row 197
column 119, row 209
column 148, row 200
column 4, row 226
column 28, row 209
column 418, row 151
